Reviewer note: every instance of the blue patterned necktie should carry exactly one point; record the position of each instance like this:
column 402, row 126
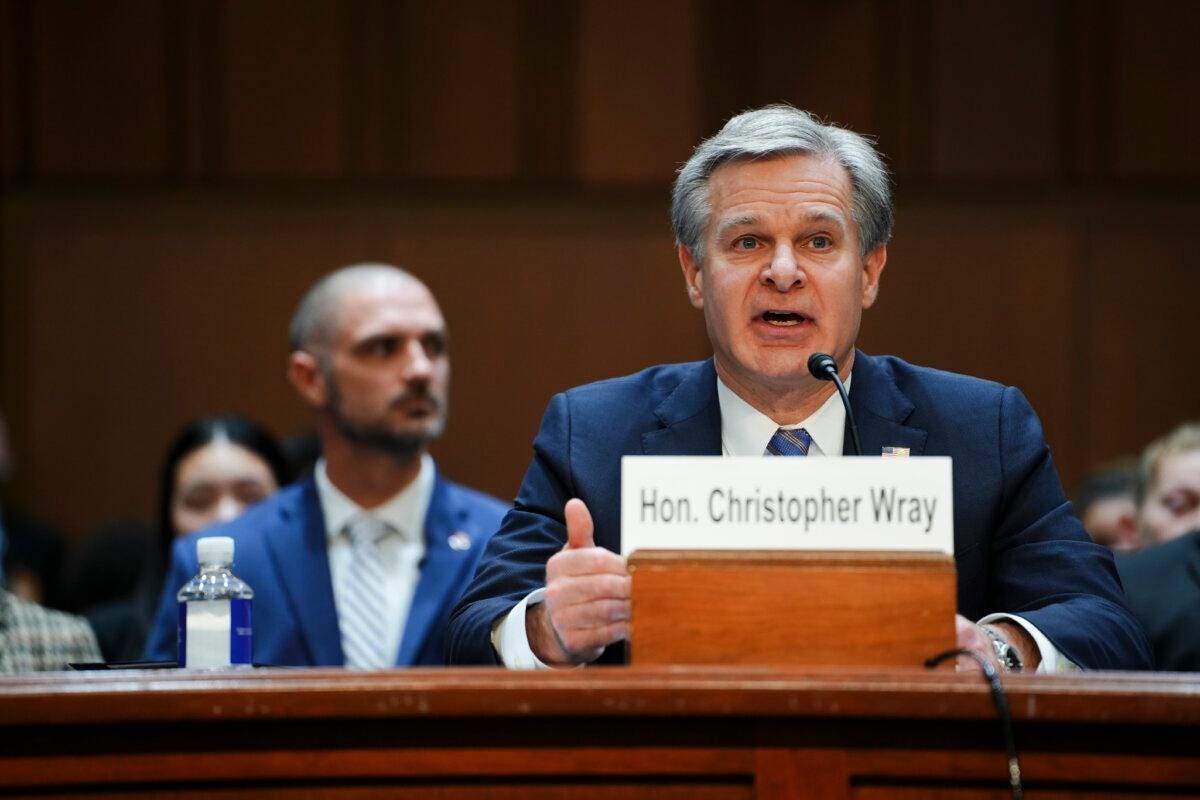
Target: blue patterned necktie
column 363, row 598
column 794, row 442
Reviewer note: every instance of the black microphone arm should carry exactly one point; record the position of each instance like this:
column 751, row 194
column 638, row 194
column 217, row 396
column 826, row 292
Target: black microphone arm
column 823, row 367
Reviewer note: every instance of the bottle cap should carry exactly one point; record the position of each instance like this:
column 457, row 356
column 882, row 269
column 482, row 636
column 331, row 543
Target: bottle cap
column 215, row 550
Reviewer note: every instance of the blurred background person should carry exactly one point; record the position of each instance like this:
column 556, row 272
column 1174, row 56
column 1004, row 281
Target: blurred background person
column 34, row 638
column 1104, row 502
column 1162, row 581
column 31, row 551
column 213, row 470
column 1162, row 585
column 360, row 563
column 1168, row 486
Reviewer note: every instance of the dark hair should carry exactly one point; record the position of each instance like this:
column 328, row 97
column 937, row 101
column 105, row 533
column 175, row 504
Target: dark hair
column 1109, row 480
column 236, row 429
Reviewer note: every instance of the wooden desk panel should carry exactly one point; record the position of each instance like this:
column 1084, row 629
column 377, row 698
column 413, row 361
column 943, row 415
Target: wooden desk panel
column 593, row 733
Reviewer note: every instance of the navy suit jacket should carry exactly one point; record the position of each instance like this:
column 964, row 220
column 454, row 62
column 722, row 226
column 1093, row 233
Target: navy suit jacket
column 280, row 550
column 1018, row 548
column 1163, row 587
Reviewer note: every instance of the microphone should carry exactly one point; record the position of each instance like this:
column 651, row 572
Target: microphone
column 824, row 368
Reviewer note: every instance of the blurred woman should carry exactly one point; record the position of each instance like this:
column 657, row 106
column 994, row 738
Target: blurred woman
column 214, row 469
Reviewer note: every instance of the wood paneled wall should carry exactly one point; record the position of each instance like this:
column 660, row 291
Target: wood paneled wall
column 175, row 173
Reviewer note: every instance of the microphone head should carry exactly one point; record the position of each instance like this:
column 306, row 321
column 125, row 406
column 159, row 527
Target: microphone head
column 822, row 366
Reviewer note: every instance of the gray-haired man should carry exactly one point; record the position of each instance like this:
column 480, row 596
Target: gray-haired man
column 782, row 225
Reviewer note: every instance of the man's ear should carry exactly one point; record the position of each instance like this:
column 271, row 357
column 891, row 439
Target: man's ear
column 873, row 268
column 692, row 276
column 305, row 375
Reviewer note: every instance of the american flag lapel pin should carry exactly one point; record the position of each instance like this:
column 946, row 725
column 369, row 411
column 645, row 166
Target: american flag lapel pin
column 895, row 452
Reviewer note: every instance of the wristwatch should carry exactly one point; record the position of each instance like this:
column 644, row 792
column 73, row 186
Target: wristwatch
column 1006, row 654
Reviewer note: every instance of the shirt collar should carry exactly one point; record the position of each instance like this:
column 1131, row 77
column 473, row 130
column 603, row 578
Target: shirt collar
column 745, row 430
column 404, row 511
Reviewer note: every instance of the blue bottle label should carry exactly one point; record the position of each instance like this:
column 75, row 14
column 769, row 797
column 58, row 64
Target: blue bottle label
column 181, row 639
column 241, row 633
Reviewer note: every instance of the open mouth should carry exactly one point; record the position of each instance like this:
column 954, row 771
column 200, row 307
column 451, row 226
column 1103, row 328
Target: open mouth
column 783, row 319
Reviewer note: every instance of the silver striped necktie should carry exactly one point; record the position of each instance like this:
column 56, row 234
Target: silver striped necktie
column 364, row 595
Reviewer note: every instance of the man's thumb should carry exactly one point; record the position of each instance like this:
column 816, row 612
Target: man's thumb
column 579, row 524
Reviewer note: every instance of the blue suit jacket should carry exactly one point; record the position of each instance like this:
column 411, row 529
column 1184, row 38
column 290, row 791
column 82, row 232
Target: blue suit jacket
column 280, row 551
column 1018, row 548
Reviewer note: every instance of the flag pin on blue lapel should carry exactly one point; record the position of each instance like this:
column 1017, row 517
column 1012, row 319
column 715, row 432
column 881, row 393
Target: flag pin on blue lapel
column 895, row 452
column 459, row 541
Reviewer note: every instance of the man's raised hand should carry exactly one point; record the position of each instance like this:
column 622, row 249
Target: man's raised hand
column 586, row 607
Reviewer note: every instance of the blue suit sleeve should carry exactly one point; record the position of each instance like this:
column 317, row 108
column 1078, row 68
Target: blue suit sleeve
column 514, row 563
column 162, row 642
column 1045, row 568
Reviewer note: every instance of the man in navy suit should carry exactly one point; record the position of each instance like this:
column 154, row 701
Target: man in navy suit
column 782, row 225
column 361, row 563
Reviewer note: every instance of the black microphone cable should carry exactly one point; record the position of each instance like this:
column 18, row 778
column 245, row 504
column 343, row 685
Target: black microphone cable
column 1001, row 702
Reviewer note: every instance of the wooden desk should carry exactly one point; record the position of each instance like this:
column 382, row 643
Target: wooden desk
column 594, row 733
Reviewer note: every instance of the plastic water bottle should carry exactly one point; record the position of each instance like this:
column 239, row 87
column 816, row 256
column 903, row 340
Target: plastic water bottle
column 214, row 611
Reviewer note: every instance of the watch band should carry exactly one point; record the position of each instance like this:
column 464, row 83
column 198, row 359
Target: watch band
column 1006, row 654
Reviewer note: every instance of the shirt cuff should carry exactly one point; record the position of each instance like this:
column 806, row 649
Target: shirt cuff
column 1052, row 660
column 510, row 639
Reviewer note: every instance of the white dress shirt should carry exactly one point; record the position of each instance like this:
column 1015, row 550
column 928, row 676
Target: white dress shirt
column 401, row 549
column 745, row 431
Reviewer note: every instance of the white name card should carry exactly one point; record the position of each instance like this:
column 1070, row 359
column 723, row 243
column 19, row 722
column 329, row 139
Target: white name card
column 779, row 503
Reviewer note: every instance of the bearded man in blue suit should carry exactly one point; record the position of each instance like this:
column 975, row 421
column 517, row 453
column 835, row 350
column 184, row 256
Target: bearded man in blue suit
column 782, row 225
column 360, row 564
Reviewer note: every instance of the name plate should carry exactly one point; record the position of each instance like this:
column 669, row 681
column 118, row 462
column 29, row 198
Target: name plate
column 780, row 503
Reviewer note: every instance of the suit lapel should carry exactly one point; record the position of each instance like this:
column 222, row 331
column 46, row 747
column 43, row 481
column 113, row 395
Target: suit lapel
column 690, row 418
column 880, row 409
column 302, row 563
column 438, row 570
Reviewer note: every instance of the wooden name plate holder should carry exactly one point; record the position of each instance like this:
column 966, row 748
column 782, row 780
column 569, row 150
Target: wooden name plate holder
column 796, row 607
